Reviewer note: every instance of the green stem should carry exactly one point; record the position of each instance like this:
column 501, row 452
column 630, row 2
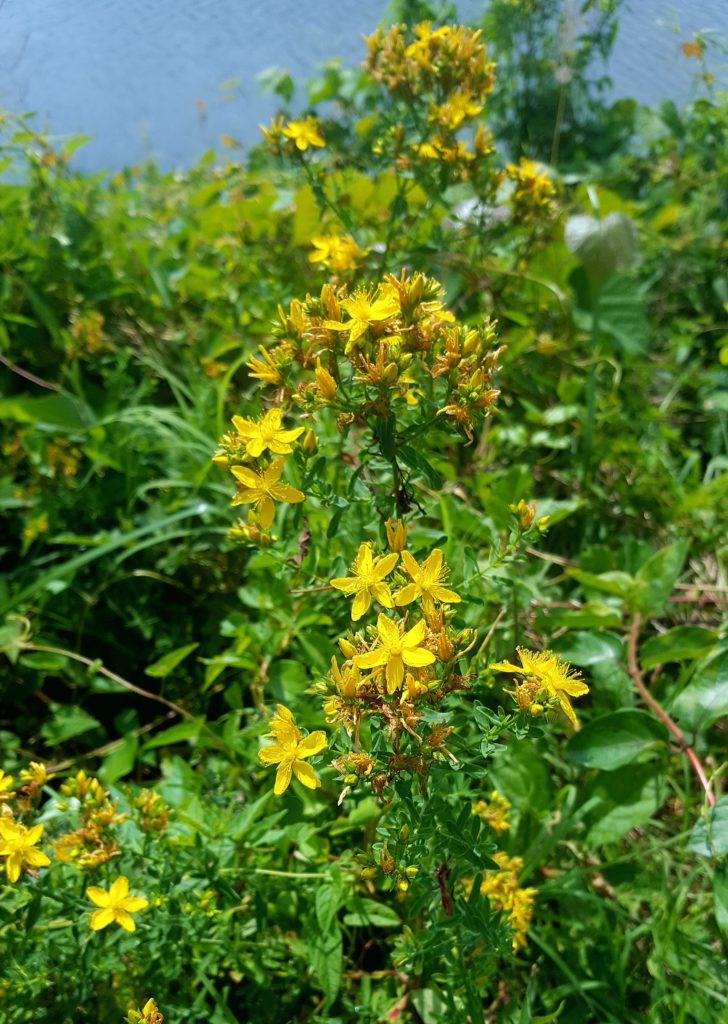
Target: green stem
column 591, row 400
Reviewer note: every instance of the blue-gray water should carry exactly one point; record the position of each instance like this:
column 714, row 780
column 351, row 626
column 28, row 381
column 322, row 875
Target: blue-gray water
column 132, row 73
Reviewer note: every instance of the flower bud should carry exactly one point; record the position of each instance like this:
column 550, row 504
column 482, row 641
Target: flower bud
column 309, row 442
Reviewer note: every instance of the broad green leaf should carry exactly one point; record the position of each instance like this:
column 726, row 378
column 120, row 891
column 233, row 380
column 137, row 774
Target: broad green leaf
column 588, row 648
column 683, row 643
column 602, row 246
column 709, row 837
column 705, row 699
column 365, row 913
column 617, row 583
column 592, row 615
column 59, row 410
column 656, row 578
column 628, row 798
column 167, row 664
column 616, row 740
column 120, row 761
column 188, row 730
column 66, row 722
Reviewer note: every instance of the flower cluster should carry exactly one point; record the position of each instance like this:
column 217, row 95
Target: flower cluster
column 507, row 896
column 396, row 667
column 253, row 453
column 546, row 684
column 19, row 841
column 533, row 190
column 372, row 352
column 447, row 70
column 335, row 252
column 94, row 843
column 494, row 811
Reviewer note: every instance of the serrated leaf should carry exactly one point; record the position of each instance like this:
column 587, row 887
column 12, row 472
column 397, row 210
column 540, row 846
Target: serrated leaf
column 616, row 740
column 167, row 664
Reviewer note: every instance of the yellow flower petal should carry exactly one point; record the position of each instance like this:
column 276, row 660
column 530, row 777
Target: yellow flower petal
column 97, row 895
column 314, row 743
column 283, row 778
column 125, row 920
column 101, row 918
column 306, row 775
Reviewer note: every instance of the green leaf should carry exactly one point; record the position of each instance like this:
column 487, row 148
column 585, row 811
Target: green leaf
column 720, row 896
column 705, row 699
column 616, row 740
column 59, row 410
column 120, row 761
column 592, row 615
column 628, row 798
column 67, row 721
column 167, row 664
column 431, row 1007
column 680, row 644
column 188, row 730
column 368, row 913
column 622, row 312
column 709, row 837
column 656, row 579
column 328, row 901
column 327, row 957
column 617, row 583
column 586, row 648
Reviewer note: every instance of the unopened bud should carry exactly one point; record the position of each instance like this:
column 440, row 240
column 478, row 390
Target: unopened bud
column 309, row 443
column 412, row 871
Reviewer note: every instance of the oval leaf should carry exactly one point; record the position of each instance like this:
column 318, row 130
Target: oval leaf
column 615, row 740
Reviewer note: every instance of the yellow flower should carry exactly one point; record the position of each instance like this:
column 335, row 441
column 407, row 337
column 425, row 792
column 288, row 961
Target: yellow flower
column 266, row 433
column 395, row 650
column 262, row 489
column 305, row 132
column 427, row 580
column 264, row 369
column 340, row 252
column 505, row 895
column 6, row 784
column 533, row 187
column 547, row 680
column 367, row 574
column 365, row 310
column 494, row 811
column 289, row 750
column 17, row 844
column 36, row 774
column 149, row 1014
column 117, row 905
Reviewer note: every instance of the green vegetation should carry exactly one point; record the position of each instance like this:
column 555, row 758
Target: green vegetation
column 501, row 800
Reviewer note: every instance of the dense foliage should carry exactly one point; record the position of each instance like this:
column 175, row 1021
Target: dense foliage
column 433, row 731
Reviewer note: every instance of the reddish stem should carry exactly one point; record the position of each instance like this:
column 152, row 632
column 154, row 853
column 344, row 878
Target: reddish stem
column 672, row 726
